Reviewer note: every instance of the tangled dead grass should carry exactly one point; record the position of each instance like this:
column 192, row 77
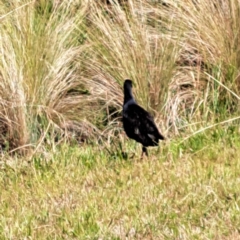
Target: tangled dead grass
column 60, row 67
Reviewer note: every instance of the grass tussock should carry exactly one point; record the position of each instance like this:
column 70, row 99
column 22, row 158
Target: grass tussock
column 125, row 45
column 65, row 62
column 211, row 54
column 40, row 81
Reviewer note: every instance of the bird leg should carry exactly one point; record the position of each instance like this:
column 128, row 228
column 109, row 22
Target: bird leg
column 144, row 150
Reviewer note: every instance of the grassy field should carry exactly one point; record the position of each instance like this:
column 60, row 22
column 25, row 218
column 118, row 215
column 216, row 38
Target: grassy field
column 88, row 193
column 68, row 171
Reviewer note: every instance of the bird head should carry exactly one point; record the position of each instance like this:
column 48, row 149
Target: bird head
column 128, row 83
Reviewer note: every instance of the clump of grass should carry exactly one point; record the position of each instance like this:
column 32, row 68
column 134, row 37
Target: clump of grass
column 184, row 66
column 125, row 45
column 209, row 60
column 40, row 87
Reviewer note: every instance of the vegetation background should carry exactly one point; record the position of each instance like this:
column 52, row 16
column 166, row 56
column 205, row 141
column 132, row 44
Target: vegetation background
column 67, row 170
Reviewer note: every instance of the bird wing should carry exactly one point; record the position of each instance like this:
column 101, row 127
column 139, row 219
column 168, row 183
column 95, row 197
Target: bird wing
column 139, row 125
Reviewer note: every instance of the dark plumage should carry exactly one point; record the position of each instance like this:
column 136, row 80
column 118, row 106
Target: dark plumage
column 137, row 122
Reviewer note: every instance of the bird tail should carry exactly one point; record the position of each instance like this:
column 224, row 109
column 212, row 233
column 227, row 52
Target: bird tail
column 161, row 137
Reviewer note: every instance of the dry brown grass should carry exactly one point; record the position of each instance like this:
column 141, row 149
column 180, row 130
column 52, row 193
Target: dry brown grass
column 65, row 62
column 210, row 50
column 40, row 70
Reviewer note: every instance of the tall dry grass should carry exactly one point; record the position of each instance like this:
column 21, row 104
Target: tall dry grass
column 209, row 59
column 40, row 50
column 63, row 64
column 182, row 56
column 125, row 44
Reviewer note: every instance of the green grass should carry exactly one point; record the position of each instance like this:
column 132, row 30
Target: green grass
column 180, row 192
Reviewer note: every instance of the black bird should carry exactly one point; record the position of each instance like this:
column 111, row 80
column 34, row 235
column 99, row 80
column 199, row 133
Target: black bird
column 137, row 122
